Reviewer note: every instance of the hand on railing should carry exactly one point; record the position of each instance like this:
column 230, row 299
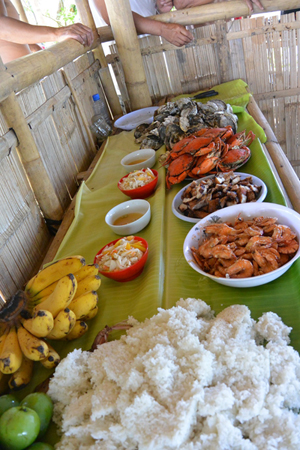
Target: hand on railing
column 77, row 31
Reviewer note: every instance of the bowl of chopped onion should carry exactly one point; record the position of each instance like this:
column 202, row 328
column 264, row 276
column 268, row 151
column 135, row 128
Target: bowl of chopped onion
column 123, row 259
column 139, row 183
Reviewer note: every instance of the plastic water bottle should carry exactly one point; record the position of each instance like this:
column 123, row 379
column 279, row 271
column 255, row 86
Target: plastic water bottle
column 101, row 126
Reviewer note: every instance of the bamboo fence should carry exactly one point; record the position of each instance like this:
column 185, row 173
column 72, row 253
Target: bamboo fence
column 46, row 110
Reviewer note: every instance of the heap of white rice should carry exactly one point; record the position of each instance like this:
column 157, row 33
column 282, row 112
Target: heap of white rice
column 186, row 380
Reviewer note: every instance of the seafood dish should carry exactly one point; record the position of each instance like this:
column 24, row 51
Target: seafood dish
column 174, row 120
column 206, row 151
column 245, row 248
column 265, row 236
column 207, row 195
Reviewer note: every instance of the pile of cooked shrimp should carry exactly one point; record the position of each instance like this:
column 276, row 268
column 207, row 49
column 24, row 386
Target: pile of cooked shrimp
column 246, row 248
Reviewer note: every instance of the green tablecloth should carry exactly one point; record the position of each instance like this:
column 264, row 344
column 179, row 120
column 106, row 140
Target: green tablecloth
column 167, row 277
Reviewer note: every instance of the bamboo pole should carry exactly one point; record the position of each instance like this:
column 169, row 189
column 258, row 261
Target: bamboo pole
column 19, row 7
column 215, row 11
column 29, row 69
column 33, row 165
column 209, row 13
column 105, row 76
column 284, row 168
column 124, row 31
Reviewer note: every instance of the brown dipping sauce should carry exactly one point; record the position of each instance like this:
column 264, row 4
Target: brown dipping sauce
column 136, row 161
column 127, row 218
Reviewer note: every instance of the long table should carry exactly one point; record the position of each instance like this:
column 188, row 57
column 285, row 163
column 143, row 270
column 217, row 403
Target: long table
column 166, row 277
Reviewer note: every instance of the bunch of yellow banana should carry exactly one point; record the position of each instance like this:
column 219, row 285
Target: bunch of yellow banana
column 59, row 300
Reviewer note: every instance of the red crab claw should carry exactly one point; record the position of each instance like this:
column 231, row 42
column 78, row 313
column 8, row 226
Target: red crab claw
column 234, row 158
column 240, row 139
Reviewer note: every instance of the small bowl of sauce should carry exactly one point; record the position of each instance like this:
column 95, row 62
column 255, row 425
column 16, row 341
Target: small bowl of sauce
column 129, row 217
column 139, row 159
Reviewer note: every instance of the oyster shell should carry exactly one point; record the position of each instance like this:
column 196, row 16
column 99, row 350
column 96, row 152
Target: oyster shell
column 151, row 141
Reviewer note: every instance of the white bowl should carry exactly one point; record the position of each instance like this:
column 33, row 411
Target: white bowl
column 131, row 206
column 285, row 216
column 178, row 197
column 148, row 155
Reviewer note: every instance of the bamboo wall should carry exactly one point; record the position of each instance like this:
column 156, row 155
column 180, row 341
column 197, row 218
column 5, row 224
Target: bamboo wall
column 55, row 109
column 263, row 52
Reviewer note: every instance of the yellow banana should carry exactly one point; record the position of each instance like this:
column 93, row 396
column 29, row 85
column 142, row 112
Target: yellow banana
column 42, row 295
column 93, row 312
column 63, row 324
column 11, row 354
column 22, row 376
column 91, row 283
column 40, row 324
column 33, row 348
column 52, row 359
column 89, row 269
column 52, row 273
column 61, row 296
column 83, row 304
column 78, row 330
column 86, row 271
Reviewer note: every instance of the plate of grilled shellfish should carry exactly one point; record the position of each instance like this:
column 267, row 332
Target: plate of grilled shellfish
column 214, row 192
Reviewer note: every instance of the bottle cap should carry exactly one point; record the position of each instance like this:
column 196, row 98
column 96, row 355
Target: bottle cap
column 96, row 97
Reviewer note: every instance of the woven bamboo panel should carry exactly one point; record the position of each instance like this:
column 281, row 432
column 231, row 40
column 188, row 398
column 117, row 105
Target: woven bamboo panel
column 24, row 236
column 58, row 123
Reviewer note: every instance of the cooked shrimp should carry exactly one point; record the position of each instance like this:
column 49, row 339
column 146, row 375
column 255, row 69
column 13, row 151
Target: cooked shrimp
column 242, row 240
column 254, row 231
column 222, row 251
column 288, row 247
column 283, row 233
column 283, row 259
column 198, row 260
column 240, row 269
column 220, row 229
column 226, row 262
column 239, row 251
column 257, row 241
column 205, row 249
column 264, row 221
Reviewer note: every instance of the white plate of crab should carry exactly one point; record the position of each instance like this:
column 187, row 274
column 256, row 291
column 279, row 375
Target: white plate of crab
column 181, row 198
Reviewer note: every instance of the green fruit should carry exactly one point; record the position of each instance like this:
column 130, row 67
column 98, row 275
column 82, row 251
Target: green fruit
column 7, row 401
column 42, row 404
column 19, row 427
column 40, row 446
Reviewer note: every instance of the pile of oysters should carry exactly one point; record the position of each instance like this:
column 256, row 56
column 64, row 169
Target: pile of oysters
column 175, row 120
